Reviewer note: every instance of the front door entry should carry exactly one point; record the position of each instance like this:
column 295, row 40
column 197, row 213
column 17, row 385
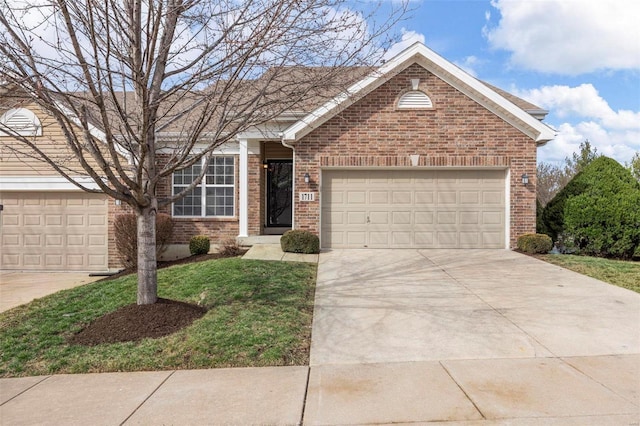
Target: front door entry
column 279, row 193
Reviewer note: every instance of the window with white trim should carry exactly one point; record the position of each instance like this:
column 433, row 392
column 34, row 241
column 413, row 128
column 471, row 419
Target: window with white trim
column 20, row 121
column 218, row 187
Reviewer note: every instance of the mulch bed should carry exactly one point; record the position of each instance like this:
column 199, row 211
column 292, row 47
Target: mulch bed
column 134, row 322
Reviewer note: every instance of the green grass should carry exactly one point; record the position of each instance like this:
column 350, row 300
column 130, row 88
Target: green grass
column 259, row 314
column 617, row 272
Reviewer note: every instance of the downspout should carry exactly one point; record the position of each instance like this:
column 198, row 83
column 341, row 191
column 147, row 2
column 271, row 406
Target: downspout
column 293, row 185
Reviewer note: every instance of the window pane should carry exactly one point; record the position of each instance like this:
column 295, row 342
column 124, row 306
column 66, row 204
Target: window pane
column 186, row 175
column 220, row 201
column 190, row 205
column 220, row 171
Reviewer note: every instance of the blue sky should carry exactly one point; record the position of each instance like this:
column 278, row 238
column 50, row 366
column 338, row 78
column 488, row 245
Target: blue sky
column 579, row 59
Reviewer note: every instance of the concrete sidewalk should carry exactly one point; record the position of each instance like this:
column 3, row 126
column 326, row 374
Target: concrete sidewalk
column 240, row 396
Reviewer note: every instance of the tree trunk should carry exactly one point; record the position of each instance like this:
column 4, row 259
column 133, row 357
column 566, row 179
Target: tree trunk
column 147, row 265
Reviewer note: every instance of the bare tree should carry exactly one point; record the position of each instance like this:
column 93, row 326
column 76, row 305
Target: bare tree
column 201, row 71
column 551, row 179
column 634, row 166
column 579, row 160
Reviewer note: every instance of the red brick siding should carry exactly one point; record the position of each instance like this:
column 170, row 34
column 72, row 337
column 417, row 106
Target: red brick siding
column 457, row 132
column 217, row 229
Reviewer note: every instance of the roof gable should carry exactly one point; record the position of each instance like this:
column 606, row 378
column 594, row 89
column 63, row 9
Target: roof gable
column 494, row 100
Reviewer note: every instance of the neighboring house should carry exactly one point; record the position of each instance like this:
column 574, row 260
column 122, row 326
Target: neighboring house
column 419, row 155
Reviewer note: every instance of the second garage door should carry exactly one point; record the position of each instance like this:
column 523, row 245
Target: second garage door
column 413, row 209
column 54, row 231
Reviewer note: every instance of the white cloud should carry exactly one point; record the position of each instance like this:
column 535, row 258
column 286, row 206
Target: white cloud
column 568, row 37
column 468, row 64
column 408, row 38
column 580, row 113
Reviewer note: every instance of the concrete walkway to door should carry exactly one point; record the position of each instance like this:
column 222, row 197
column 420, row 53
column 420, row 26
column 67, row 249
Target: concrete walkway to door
column 403, row 336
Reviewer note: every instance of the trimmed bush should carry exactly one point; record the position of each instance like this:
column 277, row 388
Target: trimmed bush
column 126, row 236
column 230, row 248
column 604, row 220
column 199, row 244
column 535, row 243
column 552, row 217
column 299, row 241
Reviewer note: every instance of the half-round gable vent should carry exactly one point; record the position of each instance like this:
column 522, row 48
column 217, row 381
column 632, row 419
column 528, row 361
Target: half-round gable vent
column 20, row 121
column 415, row 99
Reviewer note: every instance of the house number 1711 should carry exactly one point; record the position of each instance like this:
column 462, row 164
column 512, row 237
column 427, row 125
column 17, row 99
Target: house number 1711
column 307, row 196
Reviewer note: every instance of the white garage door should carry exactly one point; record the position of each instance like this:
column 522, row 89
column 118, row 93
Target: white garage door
column 413, row 209
column 61, row 231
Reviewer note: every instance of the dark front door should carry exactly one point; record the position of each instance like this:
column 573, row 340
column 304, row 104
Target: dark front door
column 279, row 192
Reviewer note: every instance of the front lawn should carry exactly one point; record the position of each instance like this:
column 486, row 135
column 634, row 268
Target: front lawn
column 259, row 314
column 617, row 272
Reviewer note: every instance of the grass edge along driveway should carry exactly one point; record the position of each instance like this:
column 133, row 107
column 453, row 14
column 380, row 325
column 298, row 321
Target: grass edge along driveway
column 622, row 273
column 259, row 314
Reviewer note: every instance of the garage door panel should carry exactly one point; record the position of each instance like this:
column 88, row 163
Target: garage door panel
column 470, row 197
column 493, row 197
column 423, row 217
column 492, row 218
column 447, row 239
column 424, row 197
column 378, row 197
column 10, row 240
column 401, row 218
column 357, row 239
column 75, row 220
column 54, row 231
column 446, row 218
column 379, row 239
column 402, row 238
column 356, row 197
column 356, row 218
column 56, row 241
column 9, row 220
column 33, row 261
column 33, row 240
column 447, row 197
column 424, row 239
column 492, row 239
column 413, row 208
column 470, row 218
column 469, row 239
column 401, row 197
column 53, row 220
column 378, row 218
column 32, row 220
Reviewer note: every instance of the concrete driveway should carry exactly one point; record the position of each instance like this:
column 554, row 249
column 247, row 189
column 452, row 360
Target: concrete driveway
column 17, row 288
column 474, row 335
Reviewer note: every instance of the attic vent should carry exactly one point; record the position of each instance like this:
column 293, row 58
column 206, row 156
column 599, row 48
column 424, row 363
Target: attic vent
column 20, row 121
column 415, row 99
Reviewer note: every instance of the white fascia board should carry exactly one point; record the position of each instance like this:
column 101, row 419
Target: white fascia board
column 227, row 148
column 44, row 183
column 411, row 55
column 266, row 131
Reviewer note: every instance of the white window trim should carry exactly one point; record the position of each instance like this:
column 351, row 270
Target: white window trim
column 34, row 129
column 203, row 194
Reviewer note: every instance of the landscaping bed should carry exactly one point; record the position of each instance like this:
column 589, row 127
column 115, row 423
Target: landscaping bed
column 241, row 313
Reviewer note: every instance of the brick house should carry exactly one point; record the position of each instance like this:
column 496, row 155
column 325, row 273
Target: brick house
column 419, row 154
